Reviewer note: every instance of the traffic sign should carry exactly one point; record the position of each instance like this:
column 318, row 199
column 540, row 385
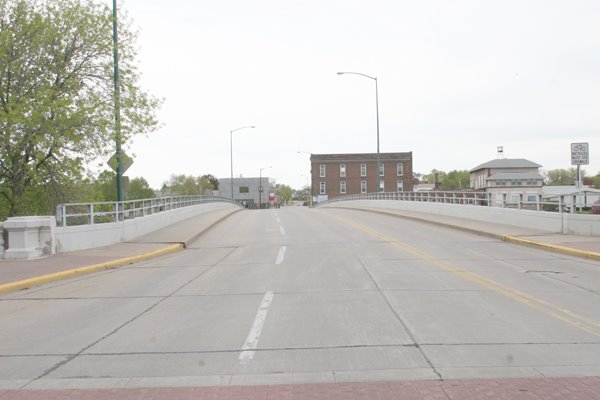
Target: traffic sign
column 126, row 162
column 580, row 154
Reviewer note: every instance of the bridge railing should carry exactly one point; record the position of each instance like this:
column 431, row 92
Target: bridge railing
column 570, row 203
column 105, row 212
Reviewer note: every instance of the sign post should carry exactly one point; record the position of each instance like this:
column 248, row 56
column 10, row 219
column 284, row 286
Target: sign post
column 580, row 155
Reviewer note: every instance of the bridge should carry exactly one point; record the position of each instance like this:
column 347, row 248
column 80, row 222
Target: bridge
column 354, row 299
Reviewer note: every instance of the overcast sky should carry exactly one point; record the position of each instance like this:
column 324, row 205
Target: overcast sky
column 456, row 79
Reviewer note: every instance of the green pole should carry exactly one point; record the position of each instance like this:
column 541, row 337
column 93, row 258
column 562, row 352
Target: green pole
column 117, row 99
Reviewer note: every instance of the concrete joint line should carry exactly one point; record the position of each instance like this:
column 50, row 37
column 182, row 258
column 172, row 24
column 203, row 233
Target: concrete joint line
column 39, row 280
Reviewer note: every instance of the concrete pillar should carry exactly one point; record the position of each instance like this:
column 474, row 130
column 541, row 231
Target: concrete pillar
column 30, row 237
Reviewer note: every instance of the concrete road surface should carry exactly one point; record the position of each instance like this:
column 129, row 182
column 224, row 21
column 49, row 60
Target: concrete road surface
column 310, row 295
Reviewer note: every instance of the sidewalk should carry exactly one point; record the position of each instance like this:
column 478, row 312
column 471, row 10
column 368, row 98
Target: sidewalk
column 19, row 274
column 575, row 245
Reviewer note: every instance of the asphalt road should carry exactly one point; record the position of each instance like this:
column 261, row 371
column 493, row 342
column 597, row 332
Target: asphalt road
column 303, row 295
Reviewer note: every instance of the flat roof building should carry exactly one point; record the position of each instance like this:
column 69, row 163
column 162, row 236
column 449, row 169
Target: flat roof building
column 247, row 191
column 334, row 175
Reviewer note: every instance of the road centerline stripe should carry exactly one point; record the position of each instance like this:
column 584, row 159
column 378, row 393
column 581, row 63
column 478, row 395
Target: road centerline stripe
column 282, row 230
column 251, row 343
column 281, row 255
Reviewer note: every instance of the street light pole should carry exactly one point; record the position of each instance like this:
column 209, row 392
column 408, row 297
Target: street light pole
column 260, row 187
column 231, row 152
column 377, row 113
column 117, row 104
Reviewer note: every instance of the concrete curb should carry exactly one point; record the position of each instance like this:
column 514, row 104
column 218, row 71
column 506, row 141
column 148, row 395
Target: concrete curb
column 203, row 231
column 443, row 224
column 507, row 238
column 552, row 247
column 38, row 280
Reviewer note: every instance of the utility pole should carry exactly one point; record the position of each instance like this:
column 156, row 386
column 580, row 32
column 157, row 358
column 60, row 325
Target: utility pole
column 117, row 100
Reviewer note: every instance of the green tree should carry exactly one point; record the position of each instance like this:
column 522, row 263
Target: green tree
column 184, row 185
column 56, row 97
column 564, row 177
column 596, row 181
column 139, row 189
column 455, row 180
column 285, row 192
column 210, row 182
column 105, row 185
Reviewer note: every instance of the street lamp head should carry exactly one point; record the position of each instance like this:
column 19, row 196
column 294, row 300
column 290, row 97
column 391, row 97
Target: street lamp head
column 340, row 73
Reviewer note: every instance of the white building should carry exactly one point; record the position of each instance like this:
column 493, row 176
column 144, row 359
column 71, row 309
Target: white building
column 509, row 180
column 249, row 191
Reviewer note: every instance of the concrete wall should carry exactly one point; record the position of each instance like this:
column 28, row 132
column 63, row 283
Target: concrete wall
column 72, row 238
column 578, row 224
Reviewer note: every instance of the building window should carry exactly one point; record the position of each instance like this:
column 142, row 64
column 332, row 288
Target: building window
column 532, row 198
column 381, row 173
column 400, row 170
column 342, row 170
column 516, row 182
column 382, row 186
column 322, row 171
column 244, row 189
column 363, row 186
column 363, row 170
column 400, row 187
column 342, row 187
column 322, row 188
column 532, row 182
column 500, row 182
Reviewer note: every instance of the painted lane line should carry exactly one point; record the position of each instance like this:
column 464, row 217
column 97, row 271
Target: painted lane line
column 282, row 230
column 278, row 220
column 251, row 343
column 281, row 255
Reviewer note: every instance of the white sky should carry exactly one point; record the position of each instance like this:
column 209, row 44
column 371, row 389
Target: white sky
column 456, row 79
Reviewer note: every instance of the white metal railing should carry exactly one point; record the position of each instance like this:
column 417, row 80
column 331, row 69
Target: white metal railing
column 106, row 212
column 570, row 203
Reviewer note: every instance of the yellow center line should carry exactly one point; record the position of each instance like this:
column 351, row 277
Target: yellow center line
column 543, row 306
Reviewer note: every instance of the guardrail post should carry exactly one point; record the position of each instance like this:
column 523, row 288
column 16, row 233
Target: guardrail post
column 574, row 208
column 520, row 205
column 1, row 242
column 561, row 201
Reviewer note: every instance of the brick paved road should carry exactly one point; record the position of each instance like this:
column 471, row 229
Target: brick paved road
column 513, row 389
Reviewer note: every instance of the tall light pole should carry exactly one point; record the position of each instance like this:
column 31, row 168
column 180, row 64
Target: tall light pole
column 231, row 152
column 117, row 101
column 377, row 113
column 260, row 187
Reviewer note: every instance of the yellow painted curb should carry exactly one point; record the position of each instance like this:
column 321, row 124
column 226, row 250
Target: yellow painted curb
column 552, row 247
column 38, row 280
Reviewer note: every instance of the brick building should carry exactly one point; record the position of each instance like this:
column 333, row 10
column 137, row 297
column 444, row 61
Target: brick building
column 336, row 175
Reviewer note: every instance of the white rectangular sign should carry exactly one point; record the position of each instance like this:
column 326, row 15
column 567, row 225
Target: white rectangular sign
column 580, row 154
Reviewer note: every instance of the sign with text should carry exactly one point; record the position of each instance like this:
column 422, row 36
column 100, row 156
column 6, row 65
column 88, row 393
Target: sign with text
column 580, row 154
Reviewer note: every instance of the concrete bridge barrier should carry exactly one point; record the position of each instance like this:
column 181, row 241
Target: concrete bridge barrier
column 555, row 222
column 33, row 237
